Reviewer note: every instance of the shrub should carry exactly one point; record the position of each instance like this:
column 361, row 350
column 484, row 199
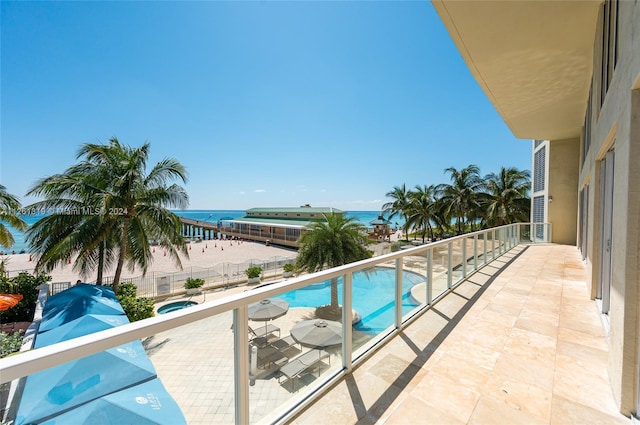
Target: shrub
column 253, row 272
column 26, row 285
column 136, row 308
column 10, row 343
column 193, row 283
column 288, row 267
column 395, row 246
column 127, row 289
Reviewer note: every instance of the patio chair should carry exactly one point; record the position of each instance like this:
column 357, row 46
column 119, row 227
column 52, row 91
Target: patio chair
column 283, row 344
column 268, row 355
column 260, row 335
column 302, row 364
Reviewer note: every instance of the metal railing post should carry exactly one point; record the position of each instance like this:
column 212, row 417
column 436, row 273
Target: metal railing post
column 505, row 239
column 484, row 259
column 241, row 360
column 347, row 317
column 429, row 277
column 475, row 252
column 398, row 315
column 493, row 244
column 464, row 258
column 449, row 271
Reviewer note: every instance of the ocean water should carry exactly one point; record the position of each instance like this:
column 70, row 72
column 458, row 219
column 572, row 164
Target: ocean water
column 213, row 216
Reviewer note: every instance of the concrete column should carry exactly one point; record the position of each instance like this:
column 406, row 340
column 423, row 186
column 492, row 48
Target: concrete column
column 564, row 159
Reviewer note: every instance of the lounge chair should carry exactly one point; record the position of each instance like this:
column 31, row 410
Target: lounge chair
column 303, row 364
column 269, row 355
column 260, row 336
column 264, row 331
column 274, row 352
column 283, row 344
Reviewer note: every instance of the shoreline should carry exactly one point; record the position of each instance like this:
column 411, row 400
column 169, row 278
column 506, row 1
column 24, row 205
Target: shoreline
column 202, row 255
column 213, row 216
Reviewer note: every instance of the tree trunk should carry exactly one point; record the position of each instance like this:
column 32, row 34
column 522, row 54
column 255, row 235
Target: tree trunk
column 123, row 251
column 406, row 230
column 100, row 263
column 334, row 293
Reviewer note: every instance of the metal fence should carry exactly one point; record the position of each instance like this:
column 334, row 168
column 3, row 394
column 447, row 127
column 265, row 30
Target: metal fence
column 157, row 284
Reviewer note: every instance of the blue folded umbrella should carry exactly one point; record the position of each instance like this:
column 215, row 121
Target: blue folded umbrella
column 80, row 290
column 143, row 404
column 76, row 302
column 55, row 390
column 84, row 325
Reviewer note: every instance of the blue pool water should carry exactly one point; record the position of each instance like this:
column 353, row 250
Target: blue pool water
column 178, row 305
column 373, row 297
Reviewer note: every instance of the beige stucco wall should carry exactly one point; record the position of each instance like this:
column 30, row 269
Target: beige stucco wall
column 633, row 243
column 616, row 125
column 564, row 160
column 625, row 338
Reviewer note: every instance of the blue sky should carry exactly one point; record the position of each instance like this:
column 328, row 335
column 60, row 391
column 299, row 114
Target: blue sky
column 265, row 103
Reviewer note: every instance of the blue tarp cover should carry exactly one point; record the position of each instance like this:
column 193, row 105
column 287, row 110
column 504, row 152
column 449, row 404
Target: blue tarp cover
column 69, row 385
column 76, row 302
column 116, row 386
column 84, row 325
column 147, row 403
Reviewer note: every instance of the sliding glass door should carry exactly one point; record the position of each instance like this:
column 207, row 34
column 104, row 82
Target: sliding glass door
column 606, row 229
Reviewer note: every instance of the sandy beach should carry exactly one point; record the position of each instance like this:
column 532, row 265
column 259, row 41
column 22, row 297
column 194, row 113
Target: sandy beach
column 203, row 254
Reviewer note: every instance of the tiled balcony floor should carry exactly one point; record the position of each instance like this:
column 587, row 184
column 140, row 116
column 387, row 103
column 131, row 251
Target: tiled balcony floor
column 520, row 342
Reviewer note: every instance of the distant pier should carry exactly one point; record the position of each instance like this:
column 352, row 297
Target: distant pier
column 204, row 230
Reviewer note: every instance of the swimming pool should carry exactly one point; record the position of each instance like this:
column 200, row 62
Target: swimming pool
column 373, row 296
column 178, row 305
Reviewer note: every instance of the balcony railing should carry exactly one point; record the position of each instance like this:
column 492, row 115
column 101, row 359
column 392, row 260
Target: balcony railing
column 199, row 338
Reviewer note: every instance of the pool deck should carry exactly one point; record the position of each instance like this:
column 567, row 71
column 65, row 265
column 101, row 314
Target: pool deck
column 195, row 364
column 518, row 342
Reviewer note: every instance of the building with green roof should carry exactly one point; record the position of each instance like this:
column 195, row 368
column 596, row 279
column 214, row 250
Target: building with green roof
column 280, row 226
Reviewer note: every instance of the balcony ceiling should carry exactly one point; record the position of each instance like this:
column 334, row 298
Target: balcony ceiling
column 533, row 59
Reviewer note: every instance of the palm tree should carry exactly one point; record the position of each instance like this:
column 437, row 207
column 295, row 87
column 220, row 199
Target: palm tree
column 421, row 209
column 332, row 242
column 460, row 197
column 440, row 217
column 9, row 208
column 508, row 196
column 139, row 202
column 121, row 209
column 399, row 205
column 77, row 227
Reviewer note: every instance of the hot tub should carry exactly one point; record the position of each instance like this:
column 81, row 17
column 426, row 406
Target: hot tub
column 179, row 305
